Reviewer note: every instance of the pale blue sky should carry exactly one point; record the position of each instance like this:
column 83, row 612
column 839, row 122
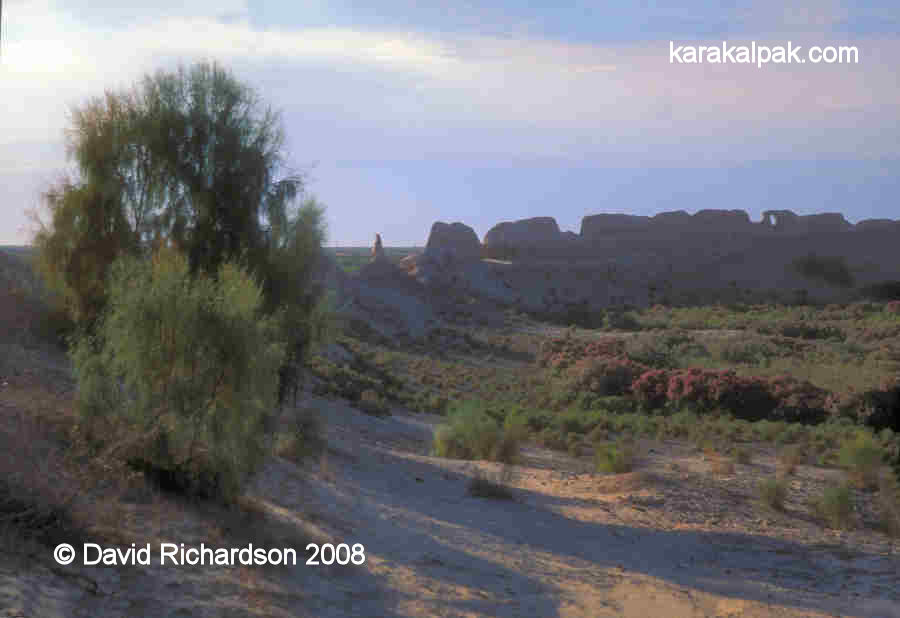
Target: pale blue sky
column 410, row 111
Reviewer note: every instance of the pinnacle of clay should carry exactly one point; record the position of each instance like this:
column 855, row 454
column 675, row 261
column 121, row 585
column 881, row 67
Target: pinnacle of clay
column 378, row 249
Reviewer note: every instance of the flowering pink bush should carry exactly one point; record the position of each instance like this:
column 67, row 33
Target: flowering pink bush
column 748, row 398
column 744, row 397
column 691, row 385
column 602, row 368
column 651, row 388
column 893, row 307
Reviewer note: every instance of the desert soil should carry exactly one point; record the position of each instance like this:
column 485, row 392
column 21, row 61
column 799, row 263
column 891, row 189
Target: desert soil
column 670, row 539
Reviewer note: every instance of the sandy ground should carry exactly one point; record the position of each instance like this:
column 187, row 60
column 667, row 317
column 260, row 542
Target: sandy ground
column 656, row 542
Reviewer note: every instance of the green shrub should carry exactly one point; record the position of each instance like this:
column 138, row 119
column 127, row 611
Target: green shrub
column 533, row 420
column 682, row 423
column 572, row 421
column 770, row 430
column 615, row 458
column 616, row 404
column 619, row 423
column 190, row 365
column 470, row 433
column 862, row 456
column 644, row 425
column 772, row 493
column 835, row 507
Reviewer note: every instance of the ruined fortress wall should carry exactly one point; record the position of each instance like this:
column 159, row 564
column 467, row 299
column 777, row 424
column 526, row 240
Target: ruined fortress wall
column 618, row 258
column 540, row 232
column 597, row 231
column 610, row 231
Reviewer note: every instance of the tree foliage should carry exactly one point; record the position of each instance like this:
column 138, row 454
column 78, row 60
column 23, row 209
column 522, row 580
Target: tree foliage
column 88, row 232
column 190, row 159
column 189, row 364
column 184, row 251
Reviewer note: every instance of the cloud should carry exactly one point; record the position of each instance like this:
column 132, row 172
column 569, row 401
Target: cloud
column 354, row 93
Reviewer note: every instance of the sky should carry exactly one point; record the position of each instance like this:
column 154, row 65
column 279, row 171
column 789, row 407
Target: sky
column 407, row 112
